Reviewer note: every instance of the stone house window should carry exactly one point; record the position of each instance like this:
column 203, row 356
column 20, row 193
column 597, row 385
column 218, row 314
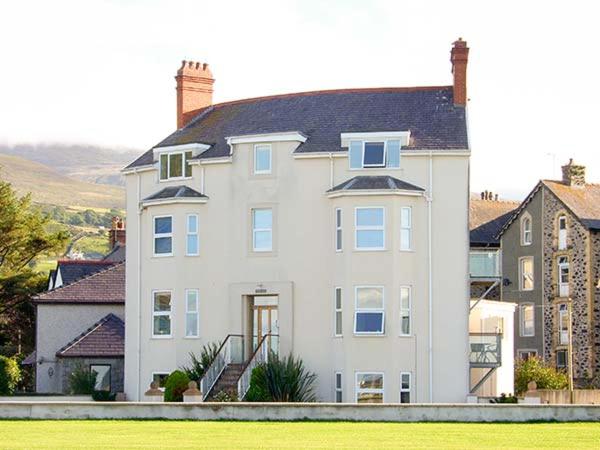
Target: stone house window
column 563, row 324
column 527, row 319
column 526, row 273
column 562, row 232
column 526, row 232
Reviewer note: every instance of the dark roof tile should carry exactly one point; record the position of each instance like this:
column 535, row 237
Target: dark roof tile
column 175, row 192
column 106, row 338
column 375, row 182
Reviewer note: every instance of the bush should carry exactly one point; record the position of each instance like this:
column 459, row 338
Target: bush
column 224, row 396
column 505, row 399
column 534, row 369
column 281, row 380
column 82, row 381
column 199, row 366
column 175, row 385
column 104, row 396
column 10, row 375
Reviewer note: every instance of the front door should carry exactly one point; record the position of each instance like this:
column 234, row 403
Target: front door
column 265, row 321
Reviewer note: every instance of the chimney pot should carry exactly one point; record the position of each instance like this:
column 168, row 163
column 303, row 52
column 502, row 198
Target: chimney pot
column 194, row 90
column 459, row 57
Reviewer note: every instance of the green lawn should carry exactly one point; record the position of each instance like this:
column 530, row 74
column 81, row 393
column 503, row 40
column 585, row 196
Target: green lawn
column 188, row 434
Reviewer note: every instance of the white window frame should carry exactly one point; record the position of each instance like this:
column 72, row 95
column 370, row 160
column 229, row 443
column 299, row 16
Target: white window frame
column 529, row 351
column 369, row 390
column 196, row 313
column 159, row 373
column 562, row 232
column 156, row 236
column 363, row 143
column 406, row 390
column 407, row 228
column 563, row 314
column 373, row 166
column 526, row 233
column 337, row 312
column 256, row 230
column 188, row 233
column 339, row 234
column 407, row 311
column 162, row 313
column 522, row 326
column 358, row 310
column 169, row 154
column 522, row 261
column 263, row 172
column 358, row 228
column 338, row 387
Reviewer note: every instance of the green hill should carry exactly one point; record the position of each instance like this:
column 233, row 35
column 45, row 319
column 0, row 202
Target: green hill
column 49, row 186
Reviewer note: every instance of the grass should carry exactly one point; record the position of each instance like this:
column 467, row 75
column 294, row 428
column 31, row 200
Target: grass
column 288, row 435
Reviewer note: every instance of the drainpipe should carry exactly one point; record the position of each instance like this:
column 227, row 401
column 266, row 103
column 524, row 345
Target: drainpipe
column 330, row 170
column 429, row 199
column 139, row 284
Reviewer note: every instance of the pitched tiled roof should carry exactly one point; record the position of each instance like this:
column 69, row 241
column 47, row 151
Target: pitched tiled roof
column 365, row 182
column 428, row 113
column 583, row 201
column 486, row 219
column 107, row 286
column 74, row 269
column 175, row 192
column 117, row 254
column 106, row 338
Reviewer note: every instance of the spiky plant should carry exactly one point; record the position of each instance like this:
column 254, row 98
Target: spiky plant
column 199, row 365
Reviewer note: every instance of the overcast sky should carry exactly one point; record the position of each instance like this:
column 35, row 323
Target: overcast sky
column 102, row 72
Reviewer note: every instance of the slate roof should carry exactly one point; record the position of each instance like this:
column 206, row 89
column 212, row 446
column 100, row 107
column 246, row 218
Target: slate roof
column 117, row 254
column 175, row 192
column 106, row 338
column 486, row 219
column 428, row 113
column 107, row 286
column 583, row 201
column 365, row 182
column 72, row 270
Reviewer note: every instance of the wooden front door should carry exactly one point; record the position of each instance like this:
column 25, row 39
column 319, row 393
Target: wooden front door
column 265, row 321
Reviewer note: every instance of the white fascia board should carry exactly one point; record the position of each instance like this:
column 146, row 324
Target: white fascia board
column 312, row 155
column 170, row 201
column 288, row 136
column 218, row 160
column 403, row 136
column 196, row 148
column 138, row 169
column 364, row 192
column 441, row 152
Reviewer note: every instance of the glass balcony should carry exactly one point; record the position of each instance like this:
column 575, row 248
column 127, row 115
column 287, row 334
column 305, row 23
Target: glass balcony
column 484, row 264
column 485, row 349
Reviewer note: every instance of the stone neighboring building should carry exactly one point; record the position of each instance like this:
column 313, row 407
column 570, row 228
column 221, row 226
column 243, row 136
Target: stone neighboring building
column 551, row 249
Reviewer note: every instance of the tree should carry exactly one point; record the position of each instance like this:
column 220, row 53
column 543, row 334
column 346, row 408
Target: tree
column 23, row 238
column 534, row 369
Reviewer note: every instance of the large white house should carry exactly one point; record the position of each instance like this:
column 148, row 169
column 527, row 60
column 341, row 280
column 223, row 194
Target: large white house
column 332, row 225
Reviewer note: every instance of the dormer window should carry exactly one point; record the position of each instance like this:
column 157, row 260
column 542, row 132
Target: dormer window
column 175, row 165
column 374, row 154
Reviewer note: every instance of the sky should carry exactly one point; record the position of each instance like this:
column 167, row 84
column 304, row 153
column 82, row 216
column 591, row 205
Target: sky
column 101, row 72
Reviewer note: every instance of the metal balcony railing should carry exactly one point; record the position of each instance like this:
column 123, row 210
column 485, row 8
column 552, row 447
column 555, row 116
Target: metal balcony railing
column 485, row 350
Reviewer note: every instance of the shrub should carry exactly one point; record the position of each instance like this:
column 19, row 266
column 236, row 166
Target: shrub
column 104, row 396
column 10, row 375
column 224, row 396
column 198, row 367
column 505, row 399
column 175, row 385
column 534, row 369
column 281, row 380
column 82, row 381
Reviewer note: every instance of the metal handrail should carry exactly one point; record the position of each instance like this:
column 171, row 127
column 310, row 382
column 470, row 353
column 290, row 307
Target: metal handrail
column 260, row 355
column 222, row 359
column 487, row 352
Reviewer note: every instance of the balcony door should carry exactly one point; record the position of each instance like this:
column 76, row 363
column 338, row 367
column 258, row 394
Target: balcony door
column 265, row 321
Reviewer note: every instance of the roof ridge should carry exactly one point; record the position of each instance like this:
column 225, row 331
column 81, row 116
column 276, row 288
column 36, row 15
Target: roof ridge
column 82, row 261
column 388, row 89
column 112, row 266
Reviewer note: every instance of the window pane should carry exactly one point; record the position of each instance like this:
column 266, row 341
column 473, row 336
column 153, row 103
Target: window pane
column 160, row 378
column 404, row 239
column 164, row 167
column 162, row 325
column 368, row 217
column 370, row 381
column 338, row 217
column 188, row 168
column 369, row 297
column 405, row 323
column 369, row 322
column 404, row 298
column 192, row 297
column 338, row 239
column 338, row 323
column 338, row 396
column 355, row 151
column 102, row 377
column 405, row 381
column 191, row 324
column 338, row 298
column 162, row 245
column 162, row 225
column 192, row 224
column 262, row 240
column 262, row 162
column 369, row 239
column 338, row 380
column 373, row 154
column 175, row 165
column 263, row 218
column 405, row 397
column 405, row 217
column 162, row 301
column 192, row 244
column 393, row 154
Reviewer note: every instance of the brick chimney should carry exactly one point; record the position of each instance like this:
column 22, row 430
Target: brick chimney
column 459, row 56
column 194, row 90
column 573, row 174
column 116, row 234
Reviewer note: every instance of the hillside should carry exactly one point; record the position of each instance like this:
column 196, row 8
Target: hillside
column 50, row 187
column 83, row 162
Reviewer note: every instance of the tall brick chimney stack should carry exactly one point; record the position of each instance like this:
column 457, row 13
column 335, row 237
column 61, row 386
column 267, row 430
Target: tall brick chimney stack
column 116, row 234
column 194, row 90
column 573, row 174
column 459, row 56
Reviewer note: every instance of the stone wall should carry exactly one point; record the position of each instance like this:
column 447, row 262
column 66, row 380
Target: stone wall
column 595, row 284
column 67, row 365
column 578, row 242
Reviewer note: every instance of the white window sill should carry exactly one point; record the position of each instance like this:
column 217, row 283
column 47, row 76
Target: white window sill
column 162, row 336
column 162, row 255
column 191, row 337
column 377, row 249
column 174, row 179
column 375, row 334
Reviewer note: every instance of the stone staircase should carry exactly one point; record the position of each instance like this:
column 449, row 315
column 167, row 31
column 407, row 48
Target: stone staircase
column 227, row 382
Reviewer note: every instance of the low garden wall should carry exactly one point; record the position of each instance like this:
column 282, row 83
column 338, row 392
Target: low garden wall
column 300, row 411
column 580, row 396
column 46, row 398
